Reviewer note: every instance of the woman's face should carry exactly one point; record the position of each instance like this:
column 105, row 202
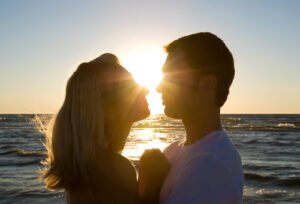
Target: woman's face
column 126, row 104
column 128, row 99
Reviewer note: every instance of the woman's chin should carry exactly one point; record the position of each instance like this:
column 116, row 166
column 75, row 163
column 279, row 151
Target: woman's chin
column 142, row 114
column 145, row 113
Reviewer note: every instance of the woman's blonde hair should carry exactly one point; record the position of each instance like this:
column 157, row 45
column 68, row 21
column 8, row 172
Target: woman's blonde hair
column 77, row 136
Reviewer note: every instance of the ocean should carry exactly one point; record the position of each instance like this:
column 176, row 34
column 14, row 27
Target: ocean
column 269, row 146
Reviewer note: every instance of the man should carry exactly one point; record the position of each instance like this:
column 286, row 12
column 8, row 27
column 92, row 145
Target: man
column 206, row 167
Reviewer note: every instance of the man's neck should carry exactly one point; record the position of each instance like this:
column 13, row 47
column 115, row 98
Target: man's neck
column 199, row 125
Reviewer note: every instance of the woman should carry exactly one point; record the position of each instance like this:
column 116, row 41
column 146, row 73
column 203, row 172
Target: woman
column 84, row 143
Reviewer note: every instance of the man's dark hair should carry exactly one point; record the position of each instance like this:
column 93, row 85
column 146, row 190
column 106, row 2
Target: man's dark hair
column 205, row 52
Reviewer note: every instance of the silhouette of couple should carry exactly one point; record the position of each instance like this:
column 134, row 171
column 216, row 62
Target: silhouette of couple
column 103, row 101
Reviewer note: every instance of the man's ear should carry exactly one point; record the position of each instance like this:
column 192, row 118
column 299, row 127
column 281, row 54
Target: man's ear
column 208, row 82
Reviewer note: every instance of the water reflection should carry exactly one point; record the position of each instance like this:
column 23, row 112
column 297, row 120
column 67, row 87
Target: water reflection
column 142, row 139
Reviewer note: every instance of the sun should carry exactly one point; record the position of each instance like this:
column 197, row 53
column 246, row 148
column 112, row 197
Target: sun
column 145, row 65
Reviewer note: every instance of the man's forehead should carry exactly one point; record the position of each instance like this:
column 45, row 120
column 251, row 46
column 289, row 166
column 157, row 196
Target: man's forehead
column 174, row 61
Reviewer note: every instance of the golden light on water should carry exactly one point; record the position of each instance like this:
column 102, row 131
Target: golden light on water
column 145, row 65
column 137, row 151
column 140, row 140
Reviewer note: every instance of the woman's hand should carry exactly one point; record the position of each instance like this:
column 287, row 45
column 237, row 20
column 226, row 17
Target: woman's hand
column 153, row 169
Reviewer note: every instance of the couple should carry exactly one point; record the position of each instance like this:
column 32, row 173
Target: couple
column 103, row 101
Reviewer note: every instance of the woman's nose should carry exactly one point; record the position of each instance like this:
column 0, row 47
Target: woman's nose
column 145, row 90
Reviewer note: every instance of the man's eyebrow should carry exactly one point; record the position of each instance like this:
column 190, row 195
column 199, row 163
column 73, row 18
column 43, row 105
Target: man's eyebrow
column 167, row 65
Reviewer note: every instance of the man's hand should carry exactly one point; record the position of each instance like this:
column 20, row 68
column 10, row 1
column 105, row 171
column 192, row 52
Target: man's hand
column 153, row 169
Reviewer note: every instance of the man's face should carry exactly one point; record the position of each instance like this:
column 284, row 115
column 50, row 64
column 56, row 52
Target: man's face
column 176, row 86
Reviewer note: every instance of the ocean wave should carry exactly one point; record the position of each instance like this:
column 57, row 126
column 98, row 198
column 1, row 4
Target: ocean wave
column 232, row 119
column 265, row 167
column 263, row 126
column 256, row 200
column 7, row 145
column 257, row 177
column 289, row 125
column 251, row 141
column 7, row 152
column 279, row 143
column 20, row 163
column 268, row 142
column 288, row 182
column 23, row 152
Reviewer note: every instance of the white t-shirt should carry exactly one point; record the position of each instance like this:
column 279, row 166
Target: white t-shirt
column 208, row 171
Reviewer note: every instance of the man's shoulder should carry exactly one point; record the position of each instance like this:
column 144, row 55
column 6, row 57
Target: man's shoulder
column 204, row 175
column 223, row 161
column 171, row 150
column 206, row 160
column 172, row 146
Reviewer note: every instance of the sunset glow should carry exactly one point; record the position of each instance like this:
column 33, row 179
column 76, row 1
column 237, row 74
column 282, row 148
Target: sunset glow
column 145, row 65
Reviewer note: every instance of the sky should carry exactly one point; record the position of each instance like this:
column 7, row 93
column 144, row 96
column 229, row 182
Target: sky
column 42, row 43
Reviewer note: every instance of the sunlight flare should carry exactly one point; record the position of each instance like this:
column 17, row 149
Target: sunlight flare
column 145, row 66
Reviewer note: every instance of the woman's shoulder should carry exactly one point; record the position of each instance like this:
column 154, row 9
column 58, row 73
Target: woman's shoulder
column 115, row 182
column 125, row 167
column 124, row 178
column 120, row 168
